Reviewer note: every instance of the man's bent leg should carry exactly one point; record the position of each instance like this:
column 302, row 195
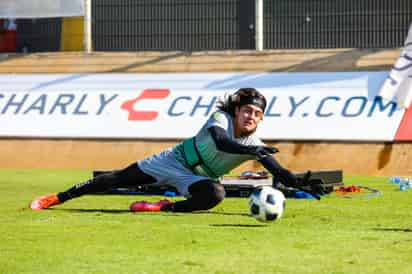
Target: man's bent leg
column 204, row 195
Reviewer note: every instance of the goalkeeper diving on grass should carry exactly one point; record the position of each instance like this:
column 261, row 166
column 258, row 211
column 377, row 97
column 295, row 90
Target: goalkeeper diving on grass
column 194, row 166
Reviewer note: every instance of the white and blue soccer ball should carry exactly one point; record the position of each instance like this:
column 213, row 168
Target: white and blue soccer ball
column 267, row 204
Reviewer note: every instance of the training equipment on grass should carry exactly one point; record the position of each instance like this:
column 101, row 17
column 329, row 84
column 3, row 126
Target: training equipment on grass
column 238, row 186
column 356, row 191
column 243, row 185
column 266, row 204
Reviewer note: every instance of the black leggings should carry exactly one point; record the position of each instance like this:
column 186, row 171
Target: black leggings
column 205, row 194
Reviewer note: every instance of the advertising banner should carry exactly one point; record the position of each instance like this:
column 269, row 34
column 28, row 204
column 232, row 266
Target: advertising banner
column 301, row 106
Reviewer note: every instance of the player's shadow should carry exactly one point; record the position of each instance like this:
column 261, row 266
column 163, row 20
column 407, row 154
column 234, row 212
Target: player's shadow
column 166, row 214
column 393, row 229
column 238, row 225
column 122, row 211
column 230, row 214
column 221, row 213
column 93, row 210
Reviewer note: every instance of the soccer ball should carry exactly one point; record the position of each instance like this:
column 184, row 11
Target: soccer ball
column 266, row 204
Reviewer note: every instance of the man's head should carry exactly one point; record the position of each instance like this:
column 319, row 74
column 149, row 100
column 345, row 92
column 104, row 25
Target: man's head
column 247, row 107
column 247, row 117
column 249, row 96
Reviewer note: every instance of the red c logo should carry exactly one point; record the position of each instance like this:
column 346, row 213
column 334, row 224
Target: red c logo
column 146, row 94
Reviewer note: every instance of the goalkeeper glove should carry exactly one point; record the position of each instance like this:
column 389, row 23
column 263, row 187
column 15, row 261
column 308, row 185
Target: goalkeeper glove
column 262, row 151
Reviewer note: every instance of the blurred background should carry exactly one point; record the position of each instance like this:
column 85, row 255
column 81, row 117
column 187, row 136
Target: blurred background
column 162, row 36
column 165, row 25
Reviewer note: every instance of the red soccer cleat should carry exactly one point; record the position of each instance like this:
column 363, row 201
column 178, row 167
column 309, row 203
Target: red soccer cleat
column 44, row 202
column 140, row 206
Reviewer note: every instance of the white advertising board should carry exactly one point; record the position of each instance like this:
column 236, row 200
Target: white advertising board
column 301, row 106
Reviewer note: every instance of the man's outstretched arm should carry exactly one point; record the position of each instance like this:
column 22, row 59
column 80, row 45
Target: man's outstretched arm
column 283, row 177
column 280, row 173
column 226, row 144
column 264, row 156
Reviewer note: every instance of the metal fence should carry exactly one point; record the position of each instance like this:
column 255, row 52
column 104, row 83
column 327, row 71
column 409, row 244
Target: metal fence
column 336, row 23
column 144, row 25
column 167, row 24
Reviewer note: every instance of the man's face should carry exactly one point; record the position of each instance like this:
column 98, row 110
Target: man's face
column 247, row 117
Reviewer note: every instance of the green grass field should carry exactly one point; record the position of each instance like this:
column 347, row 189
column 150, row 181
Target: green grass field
column 97, row 234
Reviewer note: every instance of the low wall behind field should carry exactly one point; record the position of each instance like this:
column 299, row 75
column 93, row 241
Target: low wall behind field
column 215, row 61
column 353, row 158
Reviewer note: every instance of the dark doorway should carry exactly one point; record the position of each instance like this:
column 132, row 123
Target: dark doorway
column 246, row 18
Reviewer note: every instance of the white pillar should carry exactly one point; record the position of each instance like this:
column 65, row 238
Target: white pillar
column 88, row 26
column 259, row 25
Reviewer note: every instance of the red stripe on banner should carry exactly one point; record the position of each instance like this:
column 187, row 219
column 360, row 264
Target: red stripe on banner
column 404, row 132
column 135, row 115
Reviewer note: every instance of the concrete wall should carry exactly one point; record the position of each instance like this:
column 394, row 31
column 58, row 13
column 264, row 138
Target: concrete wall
column 270, row 60
column 353, row 158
